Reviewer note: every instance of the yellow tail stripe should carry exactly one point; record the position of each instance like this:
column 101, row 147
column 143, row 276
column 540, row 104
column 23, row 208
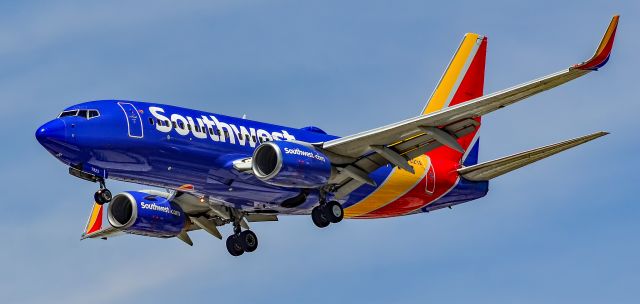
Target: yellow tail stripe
column 398, row 183
column 450, row 77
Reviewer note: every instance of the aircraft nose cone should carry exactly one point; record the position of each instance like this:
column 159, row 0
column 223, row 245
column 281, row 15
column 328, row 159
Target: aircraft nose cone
column 53, row 130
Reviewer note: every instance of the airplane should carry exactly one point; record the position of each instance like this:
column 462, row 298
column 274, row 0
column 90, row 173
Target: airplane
column 220, row 170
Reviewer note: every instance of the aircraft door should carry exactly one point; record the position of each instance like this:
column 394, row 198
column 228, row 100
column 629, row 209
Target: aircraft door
column 134, row 121
column 430, row 186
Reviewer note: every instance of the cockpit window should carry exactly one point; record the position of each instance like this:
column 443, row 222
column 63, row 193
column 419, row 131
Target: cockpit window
column 69, row 113
column 93, row 113
column 80, row 113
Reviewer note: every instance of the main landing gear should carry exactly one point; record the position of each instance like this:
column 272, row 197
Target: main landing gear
column 103, row 195
column 241, row 241
column 327, row 213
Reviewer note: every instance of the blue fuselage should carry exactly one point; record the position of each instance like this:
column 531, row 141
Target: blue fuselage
column 168, row 146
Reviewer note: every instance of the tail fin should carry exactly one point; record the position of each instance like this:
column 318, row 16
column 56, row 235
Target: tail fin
column 463, row 80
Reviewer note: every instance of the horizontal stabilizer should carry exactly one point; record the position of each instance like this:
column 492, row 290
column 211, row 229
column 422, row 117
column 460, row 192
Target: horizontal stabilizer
column 491, row 169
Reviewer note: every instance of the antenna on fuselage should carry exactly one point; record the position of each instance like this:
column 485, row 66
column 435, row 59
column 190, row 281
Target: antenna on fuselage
column 244, row 116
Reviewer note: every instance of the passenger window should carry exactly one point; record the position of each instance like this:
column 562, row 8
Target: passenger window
column 181, row 124
column 166, row 123
column 150, row 121
column 211, row 131
column 189, row 127
column 253, row 138
column 197, row 128
column 173, row 123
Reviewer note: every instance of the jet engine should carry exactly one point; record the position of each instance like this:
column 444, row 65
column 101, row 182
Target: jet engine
column 291, row 164
column 144, row 214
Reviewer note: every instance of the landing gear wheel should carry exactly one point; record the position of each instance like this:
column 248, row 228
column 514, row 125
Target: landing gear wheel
column 102, row 196
column 233, row 245
column 248, row 240
column 318, row 217
column 333, row 211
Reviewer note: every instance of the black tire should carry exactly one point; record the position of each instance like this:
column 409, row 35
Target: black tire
column 106, row 195
column 98, row 198
column 233, row 246
column 248, row 240
column 333, row 211
column 318, row 218
column 102, row 196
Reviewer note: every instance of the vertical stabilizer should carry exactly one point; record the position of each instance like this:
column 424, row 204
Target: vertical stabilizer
column 464, row 77
column 463, row 80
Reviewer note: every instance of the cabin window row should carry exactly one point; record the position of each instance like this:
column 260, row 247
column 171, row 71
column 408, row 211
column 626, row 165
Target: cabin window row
column 197, row 128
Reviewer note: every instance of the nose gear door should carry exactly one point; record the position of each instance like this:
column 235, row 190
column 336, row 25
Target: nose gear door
column 134, row 121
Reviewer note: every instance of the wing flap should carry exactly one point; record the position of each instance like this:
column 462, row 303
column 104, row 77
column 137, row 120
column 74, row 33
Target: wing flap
column 410, row 149
column 492, row 169
column 257, row 217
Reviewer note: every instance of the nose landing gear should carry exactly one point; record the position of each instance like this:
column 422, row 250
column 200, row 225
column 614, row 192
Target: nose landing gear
column 103, row 195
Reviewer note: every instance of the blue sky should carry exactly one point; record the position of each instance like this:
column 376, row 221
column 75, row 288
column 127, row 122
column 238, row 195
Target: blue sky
column 562, row 230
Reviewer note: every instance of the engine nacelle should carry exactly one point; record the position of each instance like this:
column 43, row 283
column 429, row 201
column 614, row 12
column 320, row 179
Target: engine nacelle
column 291, row 164
column 145, row 214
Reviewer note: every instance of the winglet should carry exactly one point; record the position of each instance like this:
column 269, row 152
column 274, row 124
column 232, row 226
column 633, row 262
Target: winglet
column 603, row 52
column 95, row 220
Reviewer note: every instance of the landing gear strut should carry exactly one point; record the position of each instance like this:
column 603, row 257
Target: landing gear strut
column 103, row 195
column 327, row 213
column 241, row 241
